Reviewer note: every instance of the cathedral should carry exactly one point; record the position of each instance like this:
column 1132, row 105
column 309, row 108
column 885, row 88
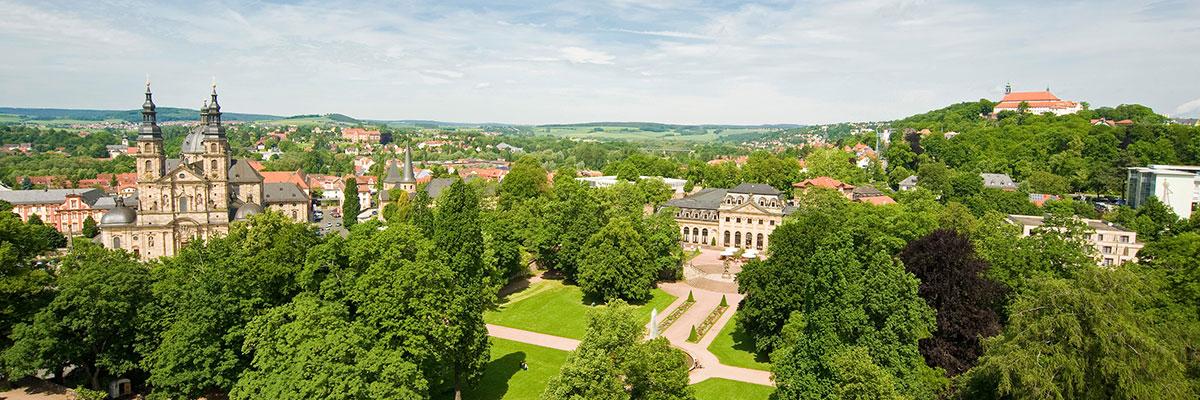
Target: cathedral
column 194, row 197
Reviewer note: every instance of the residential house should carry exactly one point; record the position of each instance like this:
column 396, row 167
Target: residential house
column 360, row 135
column 998, row 181
column 908, row 183
column 825, row 182
column 1114, row 244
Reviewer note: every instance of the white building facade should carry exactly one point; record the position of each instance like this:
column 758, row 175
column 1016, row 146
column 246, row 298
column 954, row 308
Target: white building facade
column 1176, row 186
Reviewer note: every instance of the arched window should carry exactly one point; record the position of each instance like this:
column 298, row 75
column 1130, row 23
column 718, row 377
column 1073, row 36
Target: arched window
column 148, row 167
column 213, row 164
column 704, row 236
column 758, row 242
column 685, row 233
column 695, row 234
column 183, row 204
column 737, row 239
column 294, row 216
column 726, row 242
column 749, row 240
column 116, row 242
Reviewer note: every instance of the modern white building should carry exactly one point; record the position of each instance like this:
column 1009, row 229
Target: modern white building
column 1177, row 186
column 609, row 180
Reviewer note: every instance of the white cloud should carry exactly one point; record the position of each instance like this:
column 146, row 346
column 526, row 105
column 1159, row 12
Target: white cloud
column 579, row 55
column 1189, row 108
column 670, row 34
column 671, row 61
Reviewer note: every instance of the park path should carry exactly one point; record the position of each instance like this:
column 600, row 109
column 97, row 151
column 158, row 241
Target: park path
column 677, row 334
column 534, row 338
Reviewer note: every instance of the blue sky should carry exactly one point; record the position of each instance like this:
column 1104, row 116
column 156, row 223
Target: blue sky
column 676, row 61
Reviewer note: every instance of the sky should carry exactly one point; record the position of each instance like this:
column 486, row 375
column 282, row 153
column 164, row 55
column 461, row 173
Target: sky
column 529, row 62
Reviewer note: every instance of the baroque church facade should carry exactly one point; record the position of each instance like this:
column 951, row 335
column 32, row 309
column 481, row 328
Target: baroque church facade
column 194, row 197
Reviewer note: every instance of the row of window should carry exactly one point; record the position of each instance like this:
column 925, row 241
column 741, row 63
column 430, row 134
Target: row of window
column 769, row 222
column 1099, row 237
column 700, row 236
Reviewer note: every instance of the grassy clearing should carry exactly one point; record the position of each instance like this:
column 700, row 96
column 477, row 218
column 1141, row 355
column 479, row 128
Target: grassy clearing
column 553, row 308
column 504, row 378
column 721, row 389
column 733, row 347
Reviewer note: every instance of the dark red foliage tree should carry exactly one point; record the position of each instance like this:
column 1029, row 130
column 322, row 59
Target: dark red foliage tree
column 953, row 283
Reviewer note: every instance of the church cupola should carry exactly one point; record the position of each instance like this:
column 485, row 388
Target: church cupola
column 204, row 113
column 149, row 128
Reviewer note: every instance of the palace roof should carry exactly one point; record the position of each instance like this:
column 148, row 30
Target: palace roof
column 755, row 188
column 705, row 199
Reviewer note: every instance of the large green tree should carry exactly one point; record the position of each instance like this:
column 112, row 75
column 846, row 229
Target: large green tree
column 616, row 264
column 208, row 292
column 350, row 206
column 459, row 238
column 768, row 168
column 612, row 362
column 24, row 282
column 526, row 179
column 1094, row 335
column 94, row 321
column 835, row 285
column 310, row 349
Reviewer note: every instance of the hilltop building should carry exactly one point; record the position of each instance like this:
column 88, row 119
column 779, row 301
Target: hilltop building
column 1037, row 102
column 196, row 196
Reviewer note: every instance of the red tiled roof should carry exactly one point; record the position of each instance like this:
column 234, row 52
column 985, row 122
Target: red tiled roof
column 877, row 200
column 295, row 177
column 1030, row 96
column 823, row 181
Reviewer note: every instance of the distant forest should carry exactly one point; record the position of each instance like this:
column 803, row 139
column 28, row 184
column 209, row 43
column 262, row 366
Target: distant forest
column 164, row 114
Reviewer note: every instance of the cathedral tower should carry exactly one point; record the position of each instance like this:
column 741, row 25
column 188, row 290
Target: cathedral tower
column 151, row 159
column 215, row 156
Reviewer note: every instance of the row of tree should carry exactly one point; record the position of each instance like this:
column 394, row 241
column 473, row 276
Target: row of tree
column 270, row 310
column 924, row 300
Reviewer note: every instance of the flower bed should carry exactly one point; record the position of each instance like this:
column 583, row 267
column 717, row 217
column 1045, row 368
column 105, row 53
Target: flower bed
column 709, row 321
column 674, row 315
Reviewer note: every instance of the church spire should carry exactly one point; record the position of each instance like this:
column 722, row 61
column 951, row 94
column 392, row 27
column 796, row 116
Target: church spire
column 214, row 114
column 149, row 128
column 408, row 176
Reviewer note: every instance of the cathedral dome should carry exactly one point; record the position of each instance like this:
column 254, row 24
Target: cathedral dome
column 192, row 142
column 246, row 210
column 119, row 214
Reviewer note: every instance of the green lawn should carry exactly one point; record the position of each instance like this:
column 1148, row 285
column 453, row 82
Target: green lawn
column 720, row 389
column 553, row 308
column 733, row 347
column 504, row 379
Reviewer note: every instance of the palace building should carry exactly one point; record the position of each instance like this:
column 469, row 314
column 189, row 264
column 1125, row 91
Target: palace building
column 194, row 197
column 1037, row 102
column 742, row 217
